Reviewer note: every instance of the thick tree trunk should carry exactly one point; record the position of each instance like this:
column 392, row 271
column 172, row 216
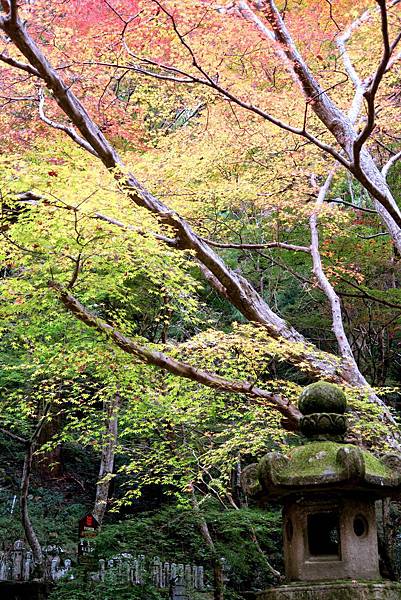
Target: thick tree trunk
column 107, row 459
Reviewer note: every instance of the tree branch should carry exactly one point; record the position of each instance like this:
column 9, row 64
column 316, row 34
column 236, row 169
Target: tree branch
column 370, row 93
column 339, row 124
column 13, row 436
column 240, row 292
column 390, row 164
column 70, row 131
column 169, row 241
column 17, row 64
column 365, row 296
column 374, row 235
column 327, row 288
column 351, row 205
column 13, row 11
column 282, row 245
column 158, row 359
column 212, row 83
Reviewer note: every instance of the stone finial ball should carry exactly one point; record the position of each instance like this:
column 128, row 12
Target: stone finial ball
column 322, row 397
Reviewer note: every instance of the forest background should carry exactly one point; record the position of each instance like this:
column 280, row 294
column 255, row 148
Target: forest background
column 200, row 216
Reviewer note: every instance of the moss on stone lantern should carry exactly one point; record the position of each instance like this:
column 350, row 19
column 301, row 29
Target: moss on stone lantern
column 328, row 490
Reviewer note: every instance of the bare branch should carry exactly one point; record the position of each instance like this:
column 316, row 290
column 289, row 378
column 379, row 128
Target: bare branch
column 170, row 73
column 213, row 281
column 164, row 76
column 282, row 245
column 367, row 295
column 14, row 436
column 70, row 131
column 19, row 98
column 360, row 86
column 393, row 60
column 76, row 271
column 370, row 93
column 390, row 164
column 331, row 14
column 17, row 64
column 351, row 205
column 374, row 235
column 327, row 288
column 169, row 241
column 363, row 296
column 13, row 11
column 241, row 293
column 341, row 41
column 340, row 125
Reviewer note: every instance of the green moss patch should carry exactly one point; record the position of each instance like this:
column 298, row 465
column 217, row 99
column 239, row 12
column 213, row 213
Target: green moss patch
column 322, row 397
column 318, row 459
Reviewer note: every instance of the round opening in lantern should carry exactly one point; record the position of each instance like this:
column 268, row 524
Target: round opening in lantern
column 360, row 526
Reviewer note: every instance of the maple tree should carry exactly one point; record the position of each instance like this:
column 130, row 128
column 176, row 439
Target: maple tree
column 184, row 59
column 272, row 157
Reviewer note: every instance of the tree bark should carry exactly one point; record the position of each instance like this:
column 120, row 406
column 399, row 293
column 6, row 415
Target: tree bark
column 107, row 459
column 48, row 463
column 217, row 563
column 237, row 289
column 29, row 530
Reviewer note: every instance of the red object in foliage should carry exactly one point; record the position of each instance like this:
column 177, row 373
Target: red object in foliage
column 88, row 526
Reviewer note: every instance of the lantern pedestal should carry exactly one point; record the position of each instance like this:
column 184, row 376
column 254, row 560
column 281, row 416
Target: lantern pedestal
column 351, row 590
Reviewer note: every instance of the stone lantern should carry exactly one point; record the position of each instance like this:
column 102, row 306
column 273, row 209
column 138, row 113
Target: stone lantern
column 328, row 490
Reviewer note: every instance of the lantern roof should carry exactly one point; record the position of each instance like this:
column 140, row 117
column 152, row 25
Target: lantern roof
column 325, row 463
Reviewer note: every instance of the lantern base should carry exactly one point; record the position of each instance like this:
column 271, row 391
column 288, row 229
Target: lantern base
column 341, row 590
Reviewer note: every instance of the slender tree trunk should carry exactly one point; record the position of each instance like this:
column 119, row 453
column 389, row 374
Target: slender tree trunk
column 236, row 487
column 275, row 574
column 107, row 459
column 217, row 563
column 25, row 517
column 48, row 463
column 29, row 530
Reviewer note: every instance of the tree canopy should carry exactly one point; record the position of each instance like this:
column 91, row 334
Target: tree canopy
column 211, row 189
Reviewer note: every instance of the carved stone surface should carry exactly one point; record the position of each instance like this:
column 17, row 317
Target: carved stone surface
column 324, row 465
column 270, row 467
column 249, row 480
column 334, row 591
column 356, row 555
column 326, row 425
column 393, row 461
column 328, row 489
column 352, row 462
